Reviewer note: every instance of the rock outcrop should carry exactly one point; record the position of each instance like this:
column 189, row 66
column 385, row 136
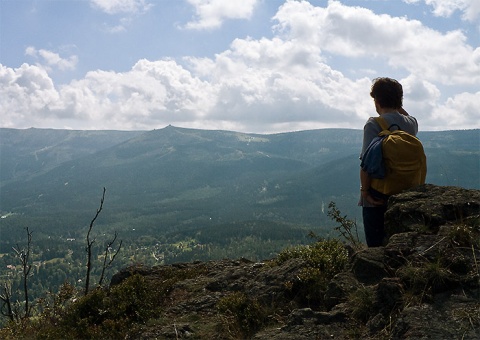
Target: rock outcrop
column 424, row 283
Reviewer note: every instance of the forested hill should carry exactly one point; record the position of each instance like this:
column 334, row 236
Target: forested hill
column 177, row 177
column 192, row 174
column 32, row 154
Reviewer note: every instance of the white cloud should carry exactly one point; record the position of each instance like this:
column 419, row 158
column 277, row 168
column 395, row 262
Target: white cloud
column 151, row 94
column 421, row 99
column 211, row 13
column 263, row 85
column 26, row 93
column 269, row 84
column 424, row 102
column 155, row 93
column 49, row 59
column 121, row 6
column 356, row 32
column 129, row 8
column 461, row 110
column 445, row 8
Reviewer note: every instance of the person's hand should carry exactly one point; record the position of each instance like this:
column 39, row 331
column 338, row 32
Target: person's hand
column 372, row 200
column 402, row 111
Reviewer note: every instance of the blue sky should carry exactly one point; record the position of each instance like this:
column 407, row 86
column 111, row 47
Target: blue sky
column 261, row 66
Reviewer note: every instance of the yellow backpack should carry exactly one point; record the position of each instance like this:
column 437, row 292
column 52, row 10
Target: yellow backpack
column 404, row 159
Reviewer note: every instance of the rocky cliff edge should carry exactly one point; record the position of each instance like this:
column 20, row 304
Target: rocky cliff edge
column 424, row 283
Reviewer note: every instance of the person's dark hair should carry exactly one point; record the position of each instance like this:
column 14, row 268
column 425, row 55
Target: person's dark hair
column 387, row 92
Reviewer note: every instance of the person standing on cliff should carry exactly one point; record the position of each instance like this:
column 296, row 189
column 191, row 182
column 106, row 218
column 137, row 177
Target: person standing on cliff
column 387, row 94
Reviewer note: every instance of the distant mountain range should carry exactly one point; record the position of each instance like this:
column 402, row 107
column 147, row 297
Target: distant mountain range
column 186, row 178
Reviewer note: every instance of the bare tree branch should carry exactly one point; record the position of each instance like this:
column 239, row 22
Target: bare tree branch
column 24, row 256
column 91, row 242
column 6, row 298
column 106, row 264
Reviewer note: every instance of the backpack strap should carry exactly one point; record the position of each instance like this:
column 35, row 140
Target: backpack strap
column 383, row 123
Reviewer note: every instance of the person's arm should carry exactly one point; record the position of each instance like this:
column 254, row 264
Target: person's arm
column 402, row 111
column 414, row 126
column 365, row 182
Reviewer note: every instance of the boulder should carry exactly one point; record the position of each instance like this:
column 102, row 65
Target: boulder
column 427, row 207
column 367, row 265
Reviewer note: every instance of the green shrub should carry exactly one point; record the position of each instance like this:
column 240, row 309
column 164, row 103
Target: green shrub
column 323, row 260
column 347, row 228
column 135, row 300
column 327, row 256
column 107, row 314
column 248, row 315
column 89, row 308
column 113, row 313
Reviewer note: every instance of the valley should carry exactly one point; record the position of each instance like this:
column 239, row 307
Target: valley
column 180, row 195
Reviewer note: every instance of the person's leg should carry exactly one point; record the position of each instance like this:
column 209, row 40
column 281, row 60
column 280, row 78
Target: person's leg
column 373, row 224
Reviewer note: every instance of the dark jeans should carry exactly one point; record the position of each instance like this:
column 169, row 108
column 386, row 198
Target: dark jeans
column 373, row 224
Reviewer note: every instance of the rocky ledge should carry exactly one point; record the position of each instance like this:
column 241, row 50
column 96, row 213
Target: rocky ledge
column 424, row 283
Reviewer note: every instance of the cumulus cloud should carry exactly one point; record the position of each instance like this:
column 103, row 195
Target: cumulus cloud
column 26, row 93
column 150, row 94
column 284, row 83
column 278, row 82
column 51, row 59
column 461, row 109
column 445, row 8
column 358, row 32
column 210, row 14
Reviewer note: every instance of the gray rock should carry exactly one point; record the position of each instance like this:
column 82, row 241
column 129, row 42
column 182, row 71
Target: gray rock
column 367, row 265
column 428, row 207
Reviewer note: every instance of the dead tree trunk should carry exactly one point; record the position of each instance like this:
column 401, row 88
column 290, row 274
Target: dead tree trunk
column 90, row 243
column 24, row 256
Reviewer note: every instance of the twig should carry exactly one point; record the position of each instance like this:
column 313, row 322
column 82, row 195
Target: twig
column 176, row 331
column 435, row 244
column 105, row 264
